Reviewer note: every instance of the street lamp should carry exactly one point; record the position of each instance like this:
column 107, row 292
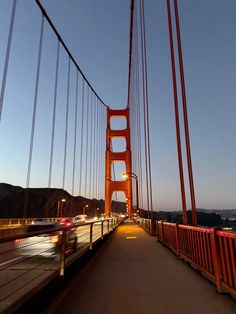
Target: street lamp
column 63, row 200
column 133, row 175
column 96, row 212
column 84, row 209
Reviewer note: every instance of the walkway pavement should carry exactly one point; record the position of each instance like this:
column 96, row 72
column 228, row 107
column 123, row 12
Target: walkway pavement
column 133, row 274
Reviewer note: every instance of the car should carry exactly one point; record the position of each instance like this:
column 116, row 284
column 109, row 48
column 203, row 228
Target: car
column 51, row 240
column 67, row 222
column 71, row 241
column 80, row 218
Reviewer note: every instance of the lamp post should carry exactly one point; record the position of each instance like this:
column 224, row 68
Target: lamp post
column 63, row 200
column 96, row 212
column 133, row 175
column 84, row 209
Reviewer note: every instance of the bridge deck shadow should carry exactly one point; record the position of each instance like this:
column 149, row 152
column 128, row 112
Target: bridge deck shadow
column 132, row 273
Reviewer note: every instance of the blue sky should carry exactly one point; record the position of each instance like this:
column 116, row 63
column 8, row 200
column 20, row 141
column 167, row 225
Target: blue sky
column 97, row 32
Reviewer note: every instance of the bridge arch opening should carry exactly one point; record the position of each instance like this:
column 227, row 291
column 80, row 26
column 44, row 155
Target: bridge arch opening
column 118, row 123
column 119, row 144
column 118, row 204
column 120, row 168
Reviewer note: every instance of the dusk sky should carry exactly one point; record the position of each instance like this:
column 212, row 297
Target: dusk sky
column 97, row 34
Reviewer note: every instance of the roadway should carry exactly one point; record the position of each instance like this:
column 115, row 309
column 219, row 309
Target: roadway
column 133, row 274
column 26, row 265
column 19, row 250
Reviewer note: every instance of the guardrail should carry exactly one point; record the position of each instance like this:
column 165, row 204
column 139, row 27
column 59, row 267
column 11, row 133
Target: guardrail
column 24, row 221
column 34, row 258
column 210, row 250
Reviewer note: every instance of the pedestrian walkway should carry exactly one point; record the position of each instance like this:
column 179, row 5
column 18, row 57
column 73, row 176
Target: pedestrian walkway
column 133, row 274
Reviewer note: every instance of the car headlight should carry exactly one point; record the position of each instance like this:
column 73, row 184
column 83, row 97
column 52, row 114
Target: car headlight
column 54, row 238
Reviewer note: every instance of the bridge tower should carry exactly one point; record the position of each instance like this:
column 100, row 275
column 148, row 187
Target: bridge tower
column 113, row 186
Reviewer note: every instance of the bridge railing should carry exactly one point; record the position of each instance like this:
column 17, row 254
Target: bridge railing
column 41, row 253
column 24, row 221
column 210, row 250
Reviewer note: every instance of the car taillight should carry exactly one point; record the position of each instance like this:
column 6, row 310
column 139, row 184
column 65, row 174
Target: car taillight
column 54, row 239
column 68, row 224
column 18, row 240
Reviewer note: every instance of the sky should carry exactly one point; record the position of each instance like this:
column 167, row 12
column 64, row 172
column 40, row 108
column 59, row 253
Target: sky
column 97, row 34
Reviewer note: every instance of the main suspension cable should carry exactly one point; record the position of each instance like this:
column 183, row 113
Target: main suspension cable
column 66, row 48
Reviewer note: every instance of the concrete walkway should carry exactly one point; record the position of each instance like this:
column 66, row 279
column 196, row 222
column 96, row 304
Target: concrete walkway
column 133, row 274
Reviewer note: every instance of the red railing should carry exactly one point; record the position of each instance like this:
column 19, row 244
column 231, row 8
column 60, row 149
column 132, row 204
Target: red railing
column 210, row 250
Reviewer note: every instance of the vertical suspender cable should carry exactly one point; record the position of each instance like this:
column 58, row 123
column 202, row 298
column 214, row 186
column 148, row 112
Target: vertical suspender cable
column 94, row 146
column 99, row 152
column 184, row 207
column 86, row 147
column 81, row 140
column 144, row 108
column 35, row 103
column 5, row 71
column 26, row 198
column 140, row 172
column 185, row 112
column 96, row 151
column 54, row 115
column 130, row 48
column 66, row 127
column 90, row 145
column 147, row 111
column 75, row 133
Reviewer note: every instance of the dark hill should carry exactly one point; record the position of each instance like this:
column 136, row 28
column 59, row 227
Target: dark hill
column 8, row 190
column 43, row 202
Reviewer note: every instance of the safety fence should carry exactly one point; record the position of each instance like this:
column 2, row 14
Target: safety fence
column 210, row 250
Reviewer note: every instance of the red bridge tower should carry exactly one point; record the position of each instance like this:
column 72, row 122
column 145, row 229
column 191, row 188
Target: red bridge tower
column 113, row 186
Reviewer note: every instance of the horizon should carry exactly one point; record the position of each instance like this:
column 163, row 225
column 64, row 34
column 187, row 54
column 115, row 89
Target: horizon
column 159, row 210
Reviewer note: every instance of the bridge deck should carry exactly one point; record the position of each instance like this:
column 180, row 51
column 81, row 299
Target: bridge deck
column 132, row 273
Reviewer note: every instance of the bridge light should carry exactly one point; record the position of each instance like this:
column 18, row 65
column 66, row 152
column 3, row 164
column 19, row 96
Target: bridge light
column 125, row 176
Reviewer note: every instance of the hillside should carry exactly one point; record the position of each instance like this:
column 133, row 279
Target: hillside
column 17, row 202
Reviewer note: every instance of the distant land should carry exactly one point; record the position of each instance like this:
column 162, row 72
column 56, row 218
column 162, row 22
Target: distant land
column 18, row 202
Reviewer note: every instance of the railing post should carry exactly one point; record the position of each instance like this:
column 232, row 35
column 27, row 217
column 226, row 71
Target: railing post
column 91, row 237
column 102, row 230
column 162, row 231
column 62, row 259
column 157, row 230
column 215, row 259
column 153, row 227
column 108, row 225
column 177, row 238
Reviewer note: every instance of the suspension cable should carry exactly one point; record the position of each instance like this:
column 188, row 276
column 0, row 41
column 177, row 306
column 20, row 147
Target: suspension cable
column 81, row 140
column 35, row 103
column 90, row 146
column 66, row 48
column 144, row 107
column 97, row 152
column 75, row 133
column 86, row 145
column 147, row 111
column 185, row 112
column 5, row 71
column 130, row 48
column 54, row 116
column 176, row 106
column 138, row 120
column 66, row 126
